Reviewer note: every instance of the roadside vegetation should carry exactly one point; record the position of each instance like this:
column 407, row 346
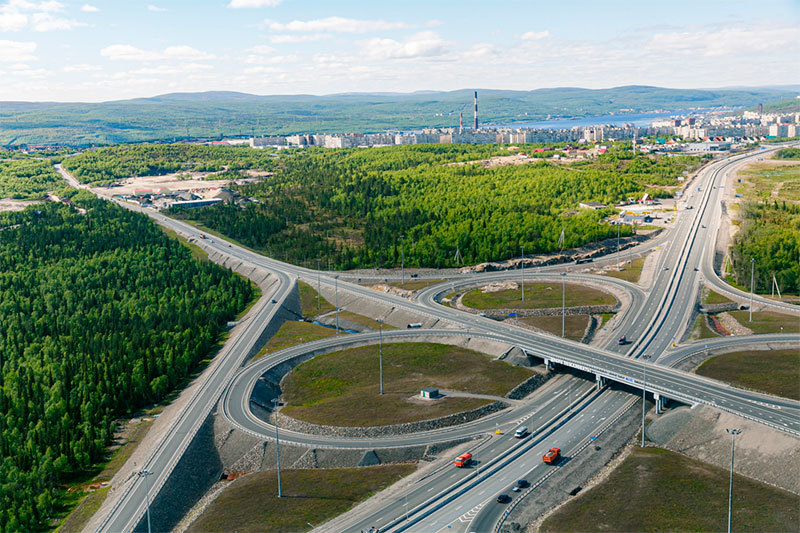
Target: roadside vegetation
column 310, row 299
column 768, row 322
column 771, row 371
column 770, row 229
column 100, row 314
column 28, row 179
column 538, row 296
column 712, row 298
column 341, row 388
column 292, row 333
column 311, row 496
column 630, row 272
column 574, row 325
column 788, row 153
column 700, row 329
column 674, row 493
column 354, row 208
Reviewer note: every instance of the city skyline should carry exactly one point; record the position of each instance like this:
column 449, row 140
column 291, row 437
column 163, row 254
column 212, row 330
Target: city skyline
column 100, row 50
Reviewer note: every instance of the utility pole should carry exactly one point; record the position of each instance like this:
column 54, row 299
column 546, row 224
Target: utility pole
column 277, row 445
column 380, row 354
column 563, row 303
column 752, row 268
column 619, row 264
column 319, row 288
column 644, row 390
column 336, row 285
column 402, row 263
column 733, row 433
column 523, row 272
column 143, row 474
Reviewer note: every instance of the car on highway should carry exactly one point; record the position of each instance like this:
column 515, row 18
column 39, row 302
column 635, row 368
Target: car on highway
column 503, row 498
column 522, row 483
column 521, row 432
column 666, row 267
column 622, row 341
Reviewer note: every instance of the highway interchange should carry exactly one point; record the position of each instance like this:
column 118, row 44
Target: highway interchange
column 565, row 419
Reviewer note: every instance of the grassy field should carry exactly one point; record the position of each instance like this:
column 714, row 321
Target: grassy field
column 658, row 490
column 711, row 298
column 537, row 295
column 630, row 273
column 309, row 497
column 774, row 371
column 308, row 301
column 292, row 333
column 363, row 320
column 341, row 388
column 574, row 325
column 768, row 322
column 701, row 329
column 767, row 178
column 415, row 284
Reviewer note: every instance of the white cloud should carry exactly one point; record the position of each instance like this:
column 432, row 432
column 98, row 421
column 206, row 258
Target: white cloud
column 261, row 49
column 284, row 38
column 261, row 70
column 337, row 25
column 126, row 52
column 16, row 51
column 88, row 8
column 163, row 70
column 156, row 9
column 238, row 4
column 12, row 20
column 48, row 6
column 728, row 42
column 47, row 22
column 81, row 67
column 535, row 35
column 422, row 44
column 269, row 60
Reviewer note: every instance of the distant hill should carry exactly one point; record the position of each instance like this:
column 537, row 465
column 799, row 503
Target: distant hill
column 210, row 114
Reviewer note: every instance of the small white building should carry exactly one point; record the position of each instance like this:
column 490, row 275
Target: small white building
column 429, row 393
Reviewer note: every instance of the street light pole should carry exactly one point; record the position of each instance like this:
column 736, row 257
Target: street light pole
column 402, row 263
column 619, row 264
column 336, row 286
column 644, row 390
column 752, row 267
column 563, row 303
column 319, row 288
column 380, row 354
column 523, row 272
column 406, row 494
column 733, row 433
column 277, row 445
column 143, row 474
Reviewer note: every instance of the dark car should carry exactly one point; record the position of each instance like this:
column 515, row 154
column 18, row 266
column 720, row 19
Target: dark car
column 503, row 498
column 522, row 483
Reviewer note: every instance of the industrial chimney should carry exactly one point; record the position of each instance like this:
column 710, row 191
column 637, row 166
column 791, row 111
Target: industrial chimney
column 476, row 110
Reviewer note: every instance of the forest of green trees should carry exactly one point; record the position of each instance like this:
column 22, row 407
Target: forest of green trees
column 27, row 179
column 100, row 314
column 770, row 234
column 788, row 153
column 106, row 165
column 352, row 208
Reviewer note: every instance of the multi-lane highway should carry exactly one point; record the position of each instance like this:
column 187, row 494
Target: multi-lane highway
column 660, row 315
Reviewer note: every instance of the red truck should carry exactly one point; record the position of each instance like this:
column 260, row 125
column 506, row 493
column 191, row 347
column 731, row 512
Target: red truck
column 463, row 460
column 552, row 456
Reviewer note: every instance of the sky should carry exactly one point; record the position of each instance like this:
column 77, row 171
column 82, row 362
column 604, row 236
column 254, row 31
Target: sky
column 98, row 50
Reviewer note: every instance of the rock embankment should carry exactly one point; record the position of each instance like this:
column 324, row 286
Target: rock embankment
column 301, row 426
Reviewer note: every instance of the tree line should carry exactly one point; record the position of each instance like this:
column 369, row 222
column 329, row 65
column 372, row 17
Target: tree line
column 100, row 314
column 27, row 179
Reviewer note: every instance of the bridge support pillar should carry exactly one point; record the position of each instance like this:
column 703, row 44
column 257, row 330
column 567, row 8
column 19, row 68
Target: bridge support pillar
column 660, row 402
column 548, row 366
column 601, row 382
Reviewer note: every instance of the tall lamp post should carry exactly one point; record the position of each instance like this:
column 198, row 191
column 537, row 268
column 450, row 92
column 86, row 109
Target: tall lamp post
column 733, row 432
column 380, row 354
column 644, row 390
column 143, row 474
column 402, row 263
column 563, row 304
column 523, row 272
column 276, row 401
column 336, row 287
column 400, row 478
column 752, row 267
column 319, row 288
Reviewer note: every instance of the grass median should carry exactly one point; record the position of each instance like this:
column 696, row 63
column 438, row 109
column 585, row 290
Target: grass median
column 309, row 497
column 630, row 272
column 310, row 299
column 574, row 325
column 771, row 371
column 658, row 490
column 768, row 322
column 341, row 388
column 538, row 296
